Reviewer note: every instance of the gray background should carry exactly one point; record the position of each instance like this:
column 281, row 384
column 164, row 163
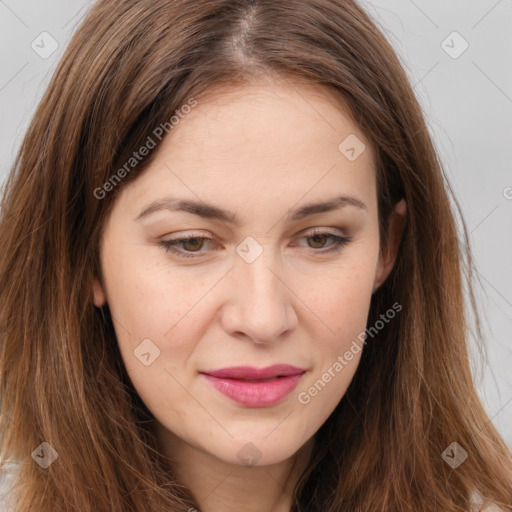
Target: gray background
column 467, row 101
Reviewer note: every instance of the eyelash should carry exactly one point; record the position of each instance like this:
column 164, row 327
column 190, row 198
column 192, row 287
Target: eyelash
column 170, row 245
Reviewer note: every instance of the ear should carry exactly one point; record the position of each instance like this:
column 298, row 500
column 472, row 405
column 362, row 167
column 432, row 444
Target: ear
column 387, row 256
column 98, row 293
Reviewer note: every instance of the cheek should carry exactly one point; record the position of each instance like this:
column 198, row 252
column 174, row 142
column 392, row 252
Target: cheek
column 346, row 317
column 322, row 391
column 342, row 299
column 150, row 312
column 153, row 318
column 144, row 297
column 342, row 304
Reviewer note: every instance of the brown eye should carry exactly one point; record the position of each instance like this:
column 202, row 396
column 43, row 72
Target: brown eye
column 190, row 245
column 194, row 244
column 318, row 239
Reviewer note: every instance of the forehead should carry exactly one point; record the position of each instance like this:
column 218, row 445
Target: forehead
column 264, row 140
column 268, row 106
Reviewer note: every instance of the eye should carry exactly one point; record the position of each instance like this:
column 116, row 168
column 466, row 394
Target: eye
column 319, row 237
column 190, row 247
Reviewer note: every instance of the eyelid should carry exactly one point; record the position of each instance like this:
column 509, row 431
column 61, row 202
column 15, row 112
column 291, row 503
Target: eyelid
column 304, row 233
column 322, row 231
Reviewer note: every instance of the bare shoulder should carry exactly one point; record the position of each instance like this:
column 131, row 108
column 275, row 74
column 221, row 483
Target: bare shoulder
column 478, row 504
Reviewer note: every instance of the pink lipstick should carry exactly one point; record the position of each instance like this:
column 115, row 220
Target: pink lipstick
column 255, row 387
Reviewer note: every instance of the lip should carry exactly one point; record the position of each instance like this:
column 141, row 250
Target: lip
column 251, row 373
column 255, row 387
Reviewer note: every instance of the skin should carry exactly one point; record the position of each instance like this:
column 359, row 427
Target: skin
column 260, row 151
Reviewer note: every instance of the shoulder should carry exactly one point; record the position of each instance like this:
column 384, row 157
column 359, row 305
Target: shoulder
column 8, row 473
column 478, row 504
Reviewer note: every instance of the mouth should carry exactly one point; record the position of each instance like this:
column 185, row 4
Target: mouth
column 260, row 380
column 256, row 374
column 255, row 387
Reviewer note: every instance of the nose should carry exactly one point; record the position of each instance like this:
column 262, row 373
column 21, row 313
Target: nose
column 261, row 302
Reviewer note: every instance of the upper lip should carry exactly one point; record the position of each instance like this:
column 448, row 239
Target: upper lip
column 249, row 372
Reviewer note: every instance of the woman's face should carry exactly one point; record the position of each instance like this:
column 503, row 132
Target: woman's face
column 259, row 280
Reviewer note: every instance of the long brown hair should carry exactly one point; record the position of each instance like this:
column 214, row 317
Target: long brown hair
column 130, row 66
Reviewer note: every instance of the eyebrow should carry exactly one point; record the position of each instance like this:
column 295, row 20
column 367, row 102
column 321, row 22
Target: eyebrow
column 209, row 211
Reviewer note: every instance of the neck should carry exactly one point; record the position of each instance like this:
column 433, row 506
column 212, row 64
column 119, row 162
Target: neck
column 220, row 486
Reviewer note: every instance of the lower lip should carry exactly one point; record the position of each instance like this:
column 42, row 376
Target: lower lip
column 255, row 394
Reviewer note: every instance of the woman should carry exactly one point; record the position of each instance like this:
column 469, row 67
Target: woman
column 231, row 277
